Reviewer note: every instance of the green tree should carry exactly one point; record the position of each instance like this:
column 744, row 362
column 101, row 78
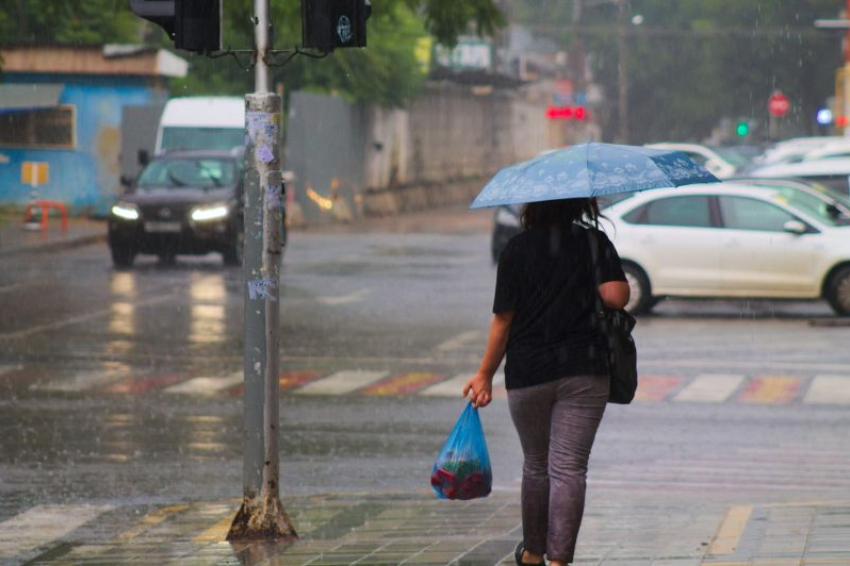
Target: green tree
column 693, row 62
column 68, row 22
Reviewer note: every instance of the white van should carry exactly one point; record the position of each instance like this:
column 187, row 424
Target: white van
column 202, row 122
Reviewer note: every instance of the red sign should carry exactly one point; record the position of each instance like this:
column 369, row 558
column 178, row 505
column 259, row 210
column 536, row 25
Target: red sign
column 567, row 112
column 778, row 104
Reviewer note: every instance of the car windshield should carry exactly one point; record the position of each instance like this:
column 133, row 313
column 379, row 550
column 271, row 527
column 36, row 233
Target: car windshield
column 179, row 173
column 733, row 156
column 174, row 138
column 813, row 206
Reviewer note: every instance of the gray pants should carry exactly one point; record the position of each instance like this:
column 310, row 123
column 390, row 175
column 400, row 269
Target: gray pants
column 557, row 423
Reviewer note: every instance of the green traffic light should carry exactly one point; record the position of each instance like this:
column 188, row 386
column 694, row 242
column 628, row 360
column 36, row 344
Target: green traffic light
column 742, row 129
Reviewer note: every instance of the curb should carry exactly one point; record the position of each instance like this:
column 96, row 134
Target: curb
column 47, row 247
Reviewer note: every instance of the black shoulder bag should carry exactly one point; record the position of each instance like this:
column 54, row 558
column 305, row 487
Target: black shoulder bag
column 617, row 327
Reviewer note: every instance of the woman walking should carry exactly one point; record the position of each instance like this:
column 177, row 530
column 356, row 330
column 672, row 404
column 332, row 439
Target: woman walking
column 548, row 286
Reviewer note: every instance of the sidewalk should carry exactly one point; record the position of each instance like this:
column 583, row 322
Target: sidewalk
column 15, row 238
column 416, row 528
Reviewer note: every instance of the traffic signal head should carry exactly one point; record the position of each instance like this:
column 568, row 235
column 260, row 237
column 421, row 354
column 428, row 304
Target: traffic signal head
column 742, row 128
column 194, row 25
column 331, row 24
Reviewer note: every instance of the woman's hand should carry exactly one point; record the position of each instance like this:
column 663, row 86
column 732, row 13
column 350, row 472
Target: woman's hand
column 479, row 390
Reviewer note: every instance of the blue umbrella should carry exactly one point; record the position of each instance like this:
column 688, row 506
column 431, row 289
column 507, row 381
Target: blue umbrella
column 591, row 170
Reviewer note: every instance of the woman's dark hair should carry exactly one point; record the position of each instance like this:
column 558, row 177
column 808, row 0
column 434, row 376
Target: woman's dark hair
column 565, row 212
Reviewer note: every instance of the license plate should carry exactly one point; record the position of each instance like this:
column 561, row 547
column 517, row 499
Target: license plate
column 167, row 227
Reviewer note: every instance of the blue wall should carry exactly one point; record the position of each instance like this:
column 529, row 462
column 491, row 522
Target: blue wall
column 87, row 176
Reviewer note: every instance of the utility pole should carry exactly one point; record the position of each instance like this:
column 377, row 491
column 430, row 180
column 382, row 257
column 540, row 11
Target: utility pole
column 262, row 514
column 623, row 77
column 577, row 49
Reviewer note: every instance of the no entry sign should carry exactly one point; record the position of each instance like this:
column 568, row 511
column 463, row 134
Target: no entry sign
column 778, row 104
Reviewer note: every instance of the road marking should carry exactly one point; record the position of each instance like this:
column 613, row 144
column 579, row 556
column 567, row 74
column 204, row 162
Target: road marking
column 710, row 388
column 82, row 381
column 452, row 387
column 344, row 299
column 829, row 390
column 729, row 534
column 402, row 384
column 218, row 532
column 342, row 382
column 774, row 389
column 152, row 519
column 206, row 385
column 290, row 379
column 656, row 388
column 460, row 341
column 42, row 524
column 8, row 368
column 144, row 384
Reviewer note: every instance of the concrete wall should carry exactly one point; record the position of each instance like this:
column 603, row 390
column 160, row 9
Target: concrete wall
column 351, row 160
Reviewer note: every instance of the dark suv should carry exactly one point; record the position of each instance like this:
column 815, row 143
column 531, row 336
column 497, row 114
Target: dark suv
column 181, row 203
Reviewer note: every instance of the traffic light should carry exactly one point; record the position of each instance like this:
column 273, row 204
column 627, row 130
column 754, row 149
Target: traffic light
column 194, row 25
column 742, row 128
column 330, row 24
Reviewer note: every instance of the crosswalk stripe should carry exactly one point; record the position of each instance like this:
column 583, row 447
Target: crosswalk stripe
column 402, row 384
column 770, row 389
column 829, row 390
column 42, row 524
column 450, row 388
column 710, row 388
column 202, row 385
column 656, row 388
column 8, row 368
column 81, row 381
column 342, row 382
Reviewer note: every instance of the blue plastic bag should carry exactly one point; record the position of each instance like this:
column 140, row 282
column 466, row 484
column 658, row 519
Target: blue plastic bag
column 462, row 469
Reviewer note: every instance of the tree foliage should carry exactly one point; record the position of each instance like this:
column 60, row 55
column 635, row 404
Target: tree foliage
column 693, row 62
column 82, row 22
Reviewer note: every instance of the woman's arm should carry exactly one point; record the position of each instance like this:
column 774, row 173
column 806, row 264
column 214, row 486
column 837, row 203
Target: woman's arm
column 480, row 385
column 614, row 294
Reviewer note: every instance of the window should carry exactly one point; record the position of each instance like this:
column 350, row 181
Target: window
column 750, row 214
column 182, row 172
column 48, row 127
column 693, row 211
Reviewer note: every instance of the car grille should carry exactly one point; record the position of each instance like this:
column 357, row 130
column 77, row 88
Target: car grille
column 165, row 212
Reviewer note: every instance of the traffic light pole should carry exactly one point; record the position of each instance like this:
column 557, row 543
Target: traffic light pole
column 262, row 515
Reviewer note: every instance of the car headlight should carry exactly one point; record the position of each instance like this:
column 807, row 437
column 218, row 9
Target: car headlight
column 507, row 218
column 126, row 211
column 210, row 212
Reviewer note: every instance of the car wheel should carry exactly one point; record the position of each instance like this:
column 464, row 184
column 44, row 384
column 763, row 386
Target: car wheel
column 122, row 255
column 838, row 291
column 234, row 252
column 640, row 297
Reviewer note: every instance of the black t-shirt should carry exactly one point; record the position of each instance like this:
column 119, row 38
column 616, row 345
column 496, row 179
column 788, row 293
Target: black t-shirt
column 545, row 276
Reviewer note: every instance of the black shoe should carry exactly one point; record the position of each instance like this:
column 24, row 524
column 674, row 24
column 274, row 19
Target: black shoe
column 520, row 548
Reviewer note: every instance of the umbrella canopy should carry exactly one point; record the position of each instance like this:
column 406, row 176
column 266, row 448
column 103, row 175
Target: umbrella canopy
column 591, row 170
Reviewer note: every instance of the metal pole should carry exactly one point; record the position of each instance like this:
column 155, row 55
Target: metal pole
column 262, row 515
column 623, row 74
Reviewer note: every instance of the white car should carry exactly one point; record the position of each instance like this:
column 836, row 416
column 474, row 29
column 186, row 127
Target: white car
column 722, row 164
column 833, row 173
column 731, row 240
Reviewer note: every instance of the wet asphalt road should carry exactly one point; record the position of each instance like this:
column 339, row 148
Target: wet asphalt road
column 92, row 360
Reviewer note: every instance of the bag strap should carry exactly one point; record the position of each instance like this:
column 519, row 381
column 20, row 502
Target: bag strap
column 593, row 242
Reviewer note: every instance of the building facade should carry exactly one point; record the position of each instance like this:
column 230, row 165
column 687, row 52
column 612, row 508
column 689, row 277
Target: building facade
column 60, row 119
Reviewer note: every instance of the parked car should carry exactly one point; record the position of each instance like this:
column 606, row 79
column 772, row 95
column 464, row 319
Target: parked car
column 723, row 163
column 793, row 149
column 730, row 240
column 181, row 203
column 837, row 204
column 832, row 173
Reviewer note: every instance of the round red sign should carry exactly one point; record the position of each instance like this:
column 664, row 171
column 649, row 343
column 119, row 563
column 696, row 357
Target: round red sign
column 778, row 104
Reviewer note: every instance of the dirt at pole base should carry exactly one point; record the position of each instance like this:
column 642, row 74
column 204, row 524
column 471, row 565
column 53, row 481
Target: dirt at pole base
column 261, row 519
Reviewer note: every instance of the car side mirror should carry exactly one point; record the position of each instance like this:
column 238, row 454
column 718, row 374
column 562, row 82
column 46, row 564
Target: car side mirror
column 126, row 180
column 795, row 227
column 143, row 157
